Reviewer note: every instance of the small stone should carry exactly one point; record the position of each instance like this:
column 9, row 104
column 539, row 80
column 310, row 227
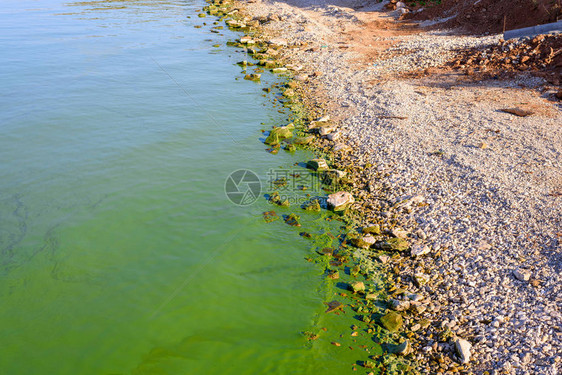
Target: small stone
column 463, row 350
column 392, row 321
column 419, row 250
column 383, row 258
column 341, row 147
column 522, row 274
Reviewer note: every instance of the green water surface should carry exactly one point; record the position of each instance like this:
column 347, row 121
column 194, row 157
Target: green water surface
column 119, row 251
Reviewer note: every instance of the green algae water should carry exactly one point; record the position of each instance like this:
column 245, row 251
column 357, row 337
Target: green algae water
column 119, row 251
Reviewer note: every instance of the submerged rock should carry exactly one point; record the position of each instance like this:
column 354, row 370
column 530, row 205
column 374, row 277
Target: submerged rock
column 293, row 220
column 340, row 201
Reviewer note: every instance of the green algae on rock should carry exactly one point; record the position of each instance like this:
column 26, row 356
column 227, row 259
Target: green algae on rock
column 392, row 321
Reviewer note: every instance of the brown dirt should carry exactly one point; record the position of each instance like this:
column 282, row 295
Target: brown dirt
column 542, row 56
column 481, row 16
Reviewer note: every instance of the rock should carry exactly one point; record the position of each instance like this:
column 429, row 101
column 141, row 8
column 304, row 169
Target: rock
column 235, row 24
column 276, row 135
column 399, row 233
column 325, row 130
column 334, row 136
column 341, row 147
column 333, row 305
column 400, row 5
column 301, row 77
column 364, row 242
column 374, row 229
column 279, row 70
column 522, row 274
column 420, row 279
column 252, row 77
column 317, row 165
column 463, row 349
column 395, row 244
column 371, row 296
column 559, row 94
column 289, row 93
column 383, row 258
column 517, row 112
column 399, row 305
column 303, row 140
column 293, row 220
column 392, row 321
column 357, row 286
column 340, row 201
column 278, row 42
column 247, row 40
column 403, row 349
column 419, row 250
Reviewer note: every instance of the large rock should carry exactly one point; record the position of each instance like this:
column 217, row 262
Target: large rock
column 395, row 244
column 364, row 242
column 276, row 135
column 392, row 321
column 463, row 350
column 340, row 201
column 317, row 164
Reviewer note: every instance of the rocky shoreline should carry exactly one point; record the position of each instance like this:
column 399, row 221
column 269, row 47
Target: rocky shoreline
column 459, row 201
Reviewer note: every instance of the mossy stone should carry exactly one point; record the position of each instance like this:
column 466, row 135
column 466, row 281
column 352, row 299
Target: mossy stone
column 392, row 321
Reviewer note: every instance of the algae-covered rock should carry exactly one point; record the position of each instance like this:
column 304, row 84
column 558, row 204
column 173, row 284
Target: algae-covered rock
column 270, row 216
column 357, row 286
column 279, row 70
column 373, row 229
column 364, row 242
column 392, row 321
column 313, row 205
column 395, row 244
column 252, row 77
column 403, row 349
column 275, row 198
column 276, row 135
column 303, row 140
column 317, row 164
column 340, row 201
column 332, row 176
column 293, row 220
column 290, row 148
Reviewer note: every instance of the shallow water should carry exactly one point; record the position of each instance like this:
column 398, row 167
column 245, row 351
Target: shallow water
column 120, row 252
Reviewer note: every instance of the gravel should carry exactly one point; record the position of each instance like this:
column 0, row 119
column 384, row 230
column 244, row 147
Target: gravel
column 490, row 182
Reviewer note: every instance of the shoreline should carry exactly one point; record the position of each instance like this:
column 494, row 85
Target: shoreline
column 490, row 270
